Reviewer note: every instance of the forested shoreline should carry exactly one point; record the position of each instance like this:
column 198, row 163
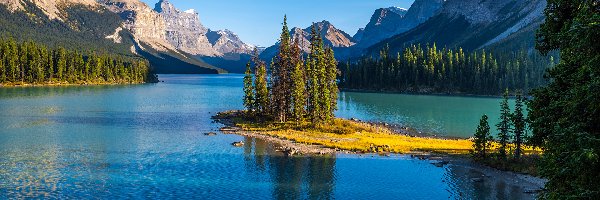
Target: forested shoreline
column 431, row 70
column 30, row 63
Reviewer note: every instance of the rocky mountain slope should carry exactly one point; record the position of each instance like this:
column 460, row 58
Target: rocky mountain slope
column 387, row 22
column 475, row 24
column 171, row 39
column 184, row 31
column 226, row 42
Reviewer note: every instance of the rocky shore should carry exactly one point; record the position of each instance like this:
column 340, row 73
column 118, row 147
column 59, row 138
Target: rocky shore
column 469, row 170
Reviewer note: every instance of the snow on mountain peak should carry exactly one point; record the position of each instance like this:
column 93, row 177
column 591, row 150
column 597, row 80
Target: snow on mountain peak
column 190, row 11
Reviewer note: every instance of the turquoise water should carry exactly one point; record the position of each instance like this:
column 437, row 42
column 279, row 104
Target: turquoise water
column 147, row 141
column 454, row 116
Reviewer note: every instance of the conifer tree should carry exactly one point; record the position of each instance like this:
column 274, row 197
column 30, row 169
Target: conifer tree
column 483, row 139
column 248, row 89
column 280, row 75
column 519, row 123
column 299, row 92
column 331, row 81
column 504, row 126
column 314, row 90
column 262, row 100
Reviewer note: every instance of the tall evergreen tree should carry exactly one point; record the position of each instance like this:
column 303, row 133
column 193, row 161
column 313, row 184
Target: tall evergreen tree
column 483, row 139
column 248, row 89
column 262, row 98
column 280, row 75
column 519, row 122
column 331, row 81
column 504, row 126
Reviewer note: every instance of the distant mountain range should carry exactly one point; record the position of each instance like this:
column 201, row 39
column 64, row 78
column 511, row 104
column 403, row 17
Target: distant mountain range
column 475, row 24
column 175, row 41
column 502, row 25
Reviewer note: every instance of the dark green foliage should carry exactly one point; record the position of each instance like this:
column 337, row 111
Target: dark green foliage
column 262, row 100
column 483, row 139
column 519, row 122
column 280, row 72
column 82, row 28
column 504, row 126
column 565, row 115
column 299, row 90
column 29, row 62
column 248, row 89
column 433, row 70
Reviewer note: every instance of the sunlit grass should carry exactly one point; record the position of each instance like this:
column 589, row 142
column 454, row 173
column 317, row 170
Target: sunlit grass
column 354, row 136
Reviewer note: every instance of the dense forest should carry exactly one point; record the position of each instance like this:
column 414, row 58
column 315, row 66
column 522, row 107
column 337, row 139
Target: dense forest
column 296, row 89
column 32, row 63
column 419, row 69
column 565, row 114
column 81, row 28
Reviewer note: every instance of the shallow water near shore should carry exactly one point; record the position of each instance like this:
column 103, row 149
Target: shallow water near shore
column 147, row 141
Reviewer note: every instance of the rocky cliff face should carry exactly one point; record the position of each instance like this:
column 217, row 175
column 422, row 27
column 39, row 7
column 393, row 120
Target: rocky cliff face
column 50, row 7
column 227, row 42
column 387, row 22
column 184, row 31
column 145, row 24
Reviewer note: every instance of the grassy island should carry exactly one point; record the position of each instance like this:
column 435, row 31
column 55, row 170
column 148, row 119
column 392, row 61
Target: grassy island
column 345, row 135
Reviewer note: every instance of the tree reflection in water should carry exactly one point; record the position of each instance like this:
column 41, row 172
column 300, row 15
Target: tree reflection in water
column 293, row 177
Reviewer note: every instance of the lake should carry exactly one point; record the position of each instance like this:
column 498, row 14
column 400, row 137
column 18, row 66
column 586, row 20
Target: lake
column 147, row 141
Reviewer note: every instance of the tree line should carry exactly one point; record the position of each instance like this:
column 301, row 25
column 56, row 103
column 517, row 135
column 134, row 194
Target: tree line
column 512, row 129
column 32, row 63
column 294, row 89
column 428, row 69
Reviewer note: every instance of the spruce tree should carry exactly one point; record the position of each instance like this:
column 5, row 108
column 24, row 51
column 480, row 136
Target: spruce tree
column 262, row 99
column 332, row 73
column 519, row 123
column 483, row 139
column 280, row 75
column 504, row 126
column 248, row 89
column 299, row 92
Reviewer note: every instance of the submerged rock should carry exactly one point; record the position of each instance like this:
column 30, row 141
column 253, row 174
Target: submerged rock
column 210, row 134
column 238, row 144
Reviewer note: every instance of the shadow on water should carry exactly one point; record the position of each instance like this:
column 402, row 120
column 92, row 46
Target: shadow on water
column 293, row 177
column 471, row 183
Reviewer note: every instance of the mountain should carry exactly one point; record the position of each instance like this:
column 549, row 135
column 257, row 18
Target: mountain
column 332, row 37
column 174, row 41
column 74, row 24
column 226, row 41
column 387, row 22
column 476, row 24
column 184, row 30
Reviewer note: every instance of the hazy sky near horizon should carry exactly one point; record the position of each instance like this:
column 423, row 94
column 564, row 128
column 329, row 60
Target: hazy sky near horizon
column 258, row 22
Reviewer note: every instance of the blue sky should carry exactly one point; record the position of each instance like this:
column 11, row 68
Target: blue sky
column 258, row 22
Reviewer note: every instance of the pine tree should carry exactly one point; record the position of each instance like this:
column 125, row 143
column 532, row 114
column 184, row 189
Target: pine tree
column 504, row 126
column 262, row 99
column 519, row 122
column 299, row 92
column 331, row 82
column 483, row 139
column 248, row 89
column 280, row 75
